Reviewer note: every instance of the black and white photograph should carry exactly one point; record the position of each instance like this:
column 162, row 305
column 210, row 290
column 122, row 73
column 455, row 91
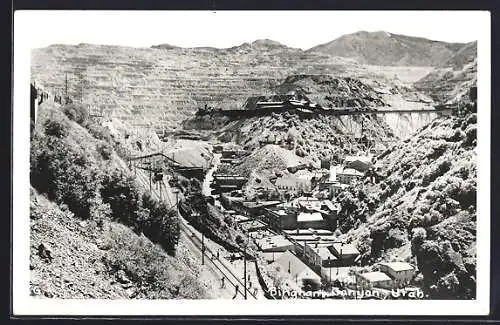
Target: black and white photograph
column 251, row 162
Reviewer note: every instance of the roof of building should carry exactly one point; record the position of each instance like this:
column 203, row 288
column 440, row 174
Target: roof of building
column 313, row 238
column 364, row 159
column 334, row 170
column 325, row 253
column 273, row 242
column 310, row 203
column 399, row 266
column 331, row 206
column 260, row 204
column 351, row 172
column 347, row 249
column 375, row 276
column 310, row 231
column 271, row 256
column 253, row 224
column 308, row 175
column 305, row 217
column 297, row 267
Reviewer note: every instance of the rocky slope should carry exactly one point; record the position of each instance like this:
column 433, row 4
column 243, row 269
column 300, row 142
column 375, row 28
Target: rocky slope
column 462, row 57
column 424, row 207
column 95, row 233
column 160, row 86
column 329, row 91
column 163, row 85
column 383, row 48
column 109, row 262
column 450, row 85
column 281, row 140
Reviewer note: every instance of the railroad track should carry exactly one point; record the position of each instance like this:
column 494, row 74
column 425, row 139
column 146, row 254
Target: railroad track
column 196, row 241
column 221, row 267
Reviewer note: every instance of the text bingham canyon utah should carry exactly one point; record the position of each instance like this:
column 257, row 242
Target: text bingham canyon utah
column 260, row 171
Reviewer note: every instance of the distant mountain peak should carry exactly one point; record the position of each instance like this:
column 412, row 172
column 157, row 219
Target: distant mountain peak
column 378, row 33
column 384, row 48
column 267, row 42
column 164, row 46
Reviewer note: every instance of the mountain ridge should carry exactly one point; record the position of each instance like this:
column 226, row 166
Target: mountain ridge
column 384, row 48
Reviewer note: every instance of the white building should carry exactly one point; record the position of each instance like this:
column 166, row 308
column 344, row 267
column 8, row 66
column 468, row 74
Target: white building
column 277, row 243
column 371, row 280
column 293, row 183
column 310, row 220
column 401, row 272
column 348, row 175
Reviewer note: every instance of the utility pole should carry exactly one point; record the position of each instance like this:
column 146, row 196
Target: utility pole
column 203, row 244
column 66, row 89
column 330, row 267
column 150, row 178
column 362, row 126
column 245, row 268
column 245, row 262
column 160, row 191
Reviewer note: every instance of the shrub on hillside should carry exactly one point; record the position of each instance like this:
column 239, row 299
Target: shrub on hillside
column 99, row 132
column 418, row 235
column 140, row 211
column 150, row 269
column 66, row 176
column 162, row 224
column 443, row 270
column 123, row 196
column 435, row 170
column 105, row 150
column 56, row 128
column 77, row 112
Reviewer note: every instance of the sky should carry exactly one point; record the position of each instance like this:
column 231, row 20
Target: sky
column 300, row 29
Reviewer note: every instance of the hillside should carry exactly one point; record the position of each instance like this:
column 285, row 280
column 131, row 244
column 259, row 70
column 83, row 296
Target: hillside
column 95, row 232
column 424, row 208
column 111, row 262
column 162, row 85
column 448, row 84
column 383, row 48
column 329, row 91
column 462, row 57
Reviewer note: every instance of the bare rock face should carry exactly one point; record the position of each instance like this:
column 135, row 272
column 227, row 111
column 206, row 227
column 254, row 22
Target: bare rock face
column 122, row 277
column 448, row 84
column 45, row 252
column 162, row 86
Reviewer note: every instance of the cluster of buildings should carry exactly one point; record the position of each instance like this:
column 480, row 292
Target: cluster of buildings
column 331, row 178
column 296, row 237
column 316, row 256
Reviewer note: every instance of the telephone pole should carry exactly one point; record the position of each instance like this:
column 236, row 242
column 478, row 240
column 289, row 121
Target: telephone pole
column 203, row 243
column 245, row 268
column 160, row 191
column 245, row 263
column 66, row 89
column 150, row 178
